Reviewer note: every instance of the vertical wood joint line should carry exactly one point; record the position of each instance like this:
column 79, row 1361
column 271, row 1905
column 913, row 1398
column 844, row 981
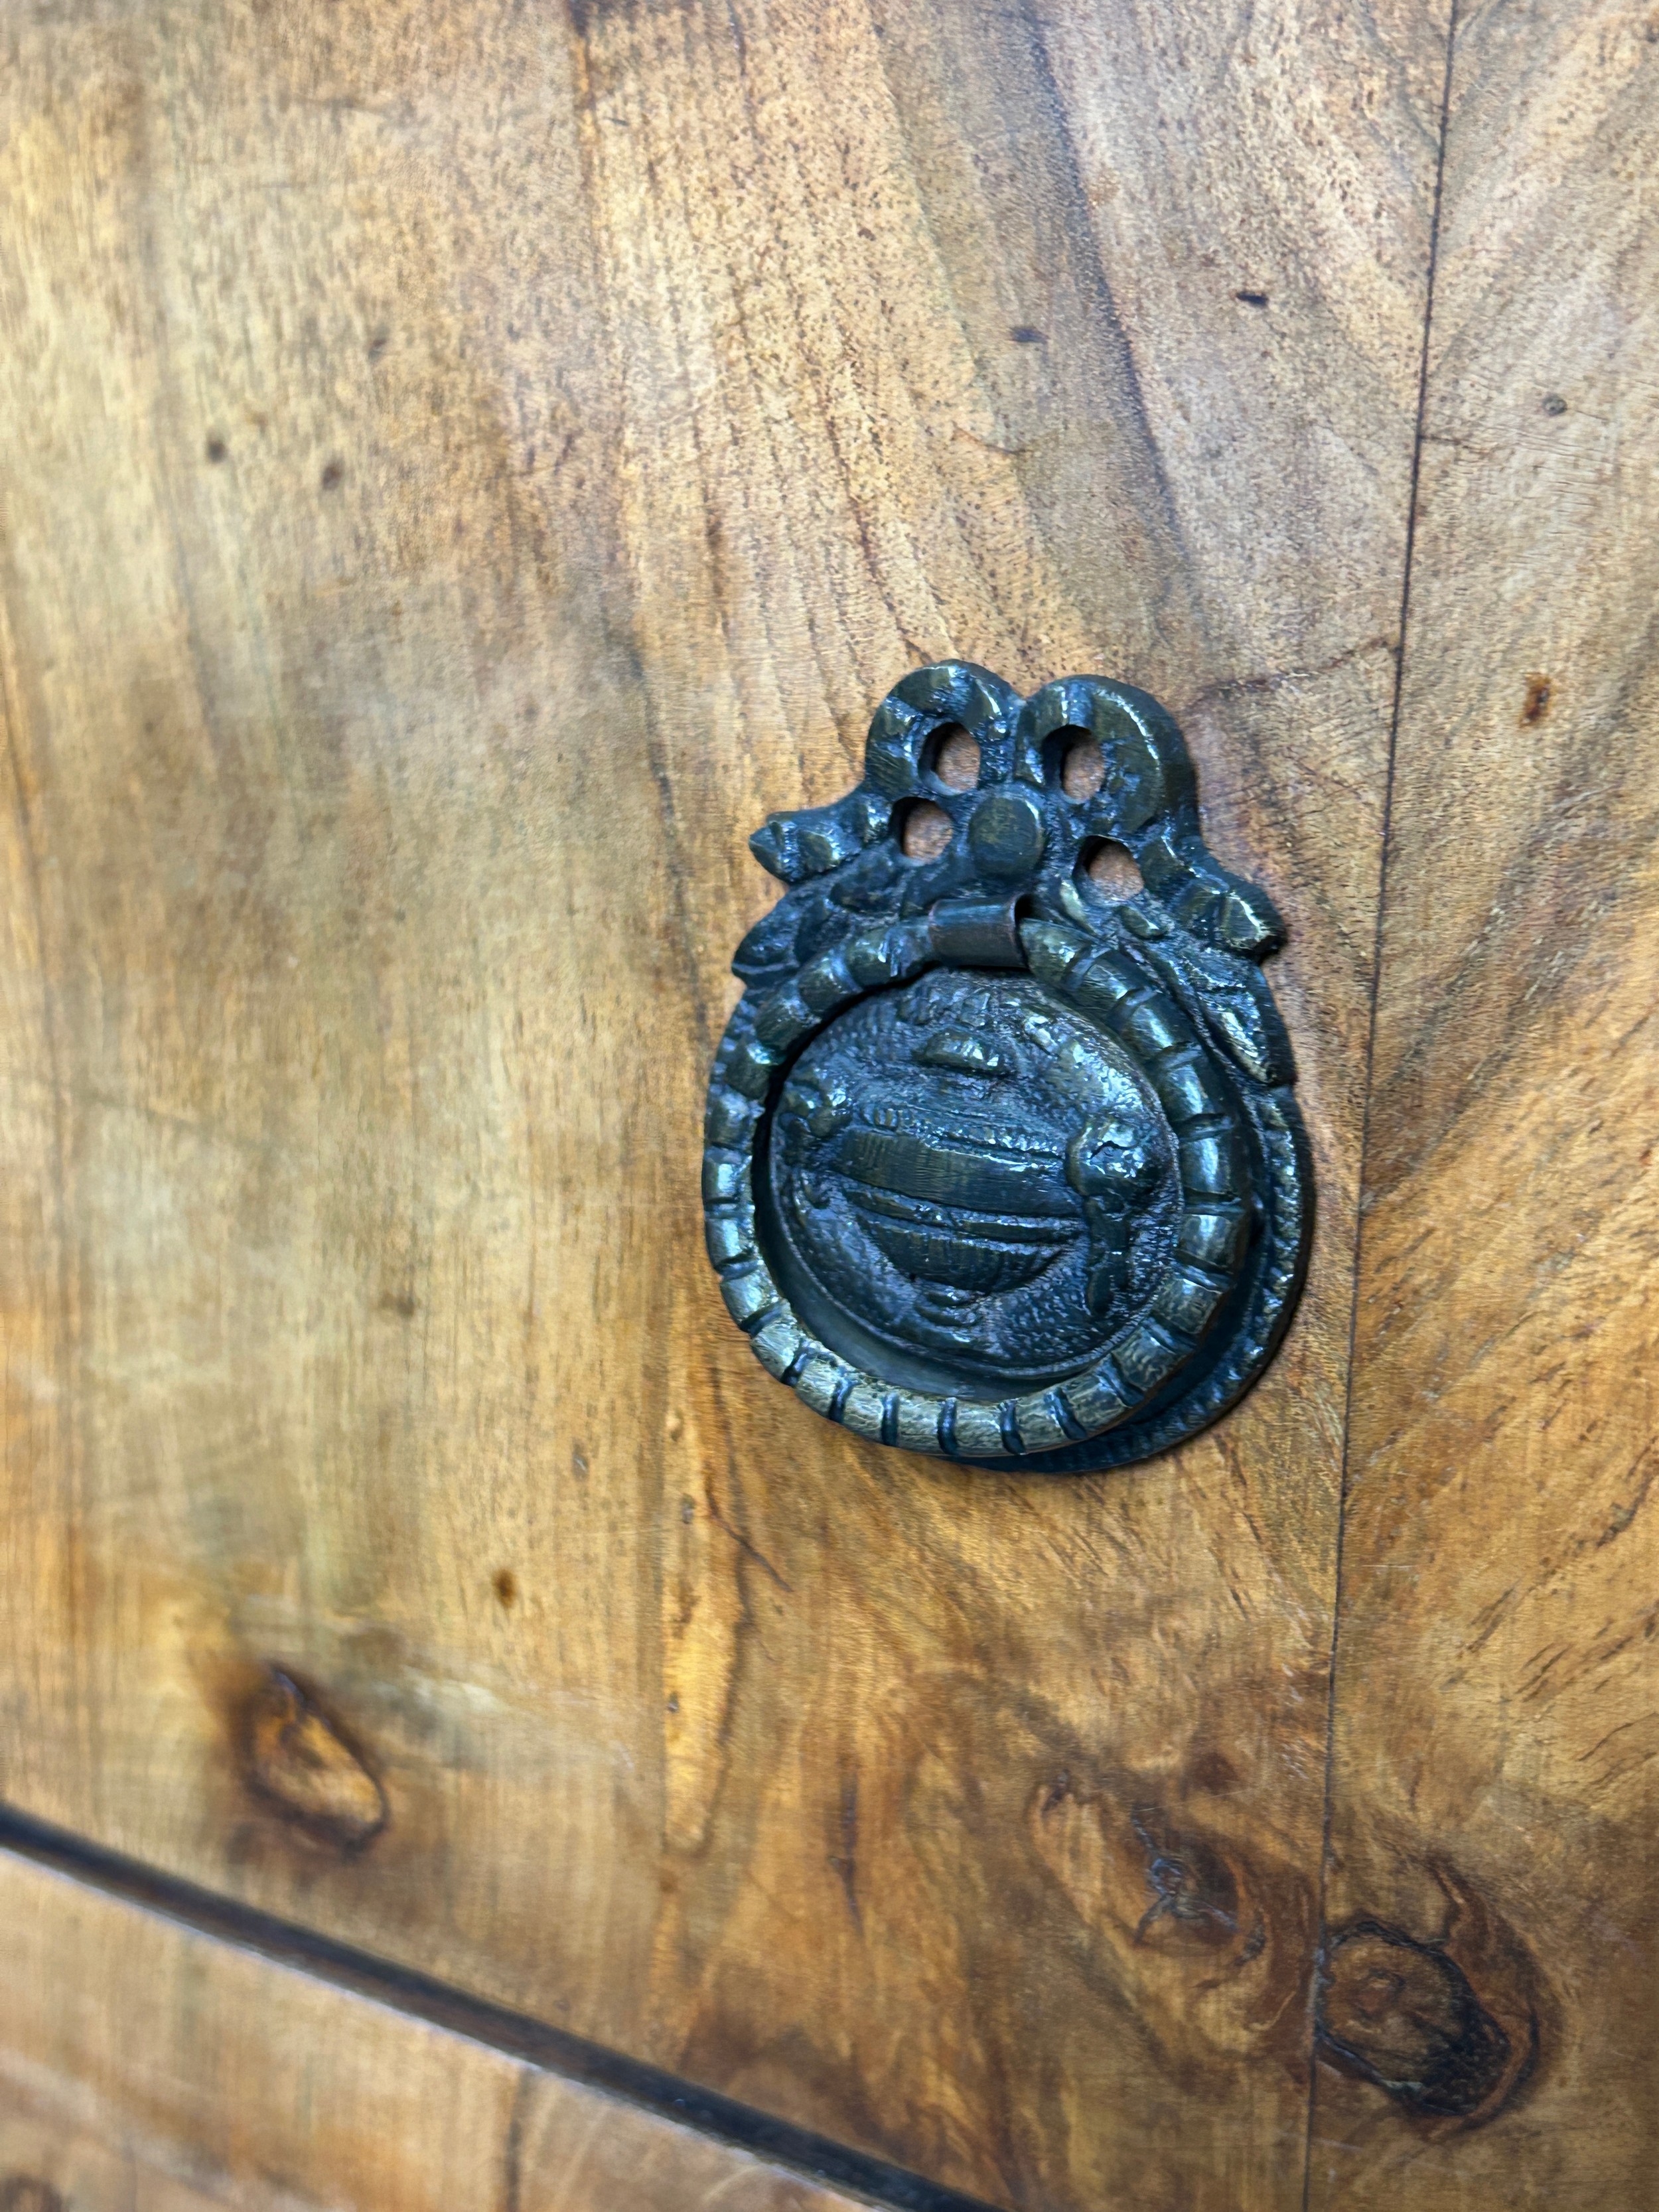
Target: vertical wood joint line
column 1406, row 564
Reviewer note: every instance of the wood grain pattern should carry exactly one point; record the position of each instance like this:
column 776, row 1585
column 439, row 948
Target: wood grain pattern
column 147, row 2068
column 1495, row 1743
column 464, row 466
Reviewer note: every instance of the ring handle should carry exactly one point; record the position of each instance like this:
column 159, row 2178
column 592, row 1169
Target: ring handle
column 997, row 1168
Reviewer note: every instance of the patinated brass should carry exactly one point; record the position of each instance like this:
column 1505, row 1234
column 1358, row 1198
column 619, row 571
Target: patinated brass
column 997, row 1165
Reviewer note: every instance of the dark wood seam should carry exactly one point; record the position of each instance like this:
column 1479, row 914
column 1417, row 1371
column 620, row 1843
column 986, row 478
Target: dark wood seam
column 1328, row 1817
column 516, row 2035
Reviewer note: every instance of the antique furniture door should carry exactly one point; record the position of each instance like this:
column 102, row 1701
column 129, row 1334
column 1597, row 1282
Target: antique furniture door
column 470, row 1738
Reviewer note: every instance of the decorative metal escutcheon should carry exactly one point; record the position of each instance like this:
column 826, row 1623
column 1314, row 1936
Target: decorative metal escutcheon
column 1000, row 1165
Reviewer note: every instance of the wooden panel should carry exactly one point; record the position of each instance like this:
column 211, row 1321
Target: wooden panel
column 463, row 466
column 146, row 2068
column 1495, row 1745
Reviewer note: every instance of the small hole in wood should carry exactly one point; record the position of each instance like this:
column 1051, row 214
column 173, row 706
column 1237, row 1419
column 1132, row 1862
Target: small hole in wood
column 1110, row 868
column 1082, row 764
column 953, row 756
column 925, row 830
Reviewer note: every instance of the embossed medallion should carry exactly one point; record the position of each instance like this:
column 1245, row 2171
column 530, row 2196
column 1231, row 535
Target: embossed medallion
column 1001, row 1165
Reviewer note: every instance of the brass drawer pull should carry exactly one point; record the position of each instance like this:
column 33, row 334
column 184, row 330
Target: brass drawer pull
column 1000, row 1165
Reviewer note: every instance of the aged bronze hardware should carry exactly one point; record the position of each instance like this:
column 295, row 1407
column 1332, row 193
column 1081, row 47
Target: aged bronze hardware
column 998, row 1166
